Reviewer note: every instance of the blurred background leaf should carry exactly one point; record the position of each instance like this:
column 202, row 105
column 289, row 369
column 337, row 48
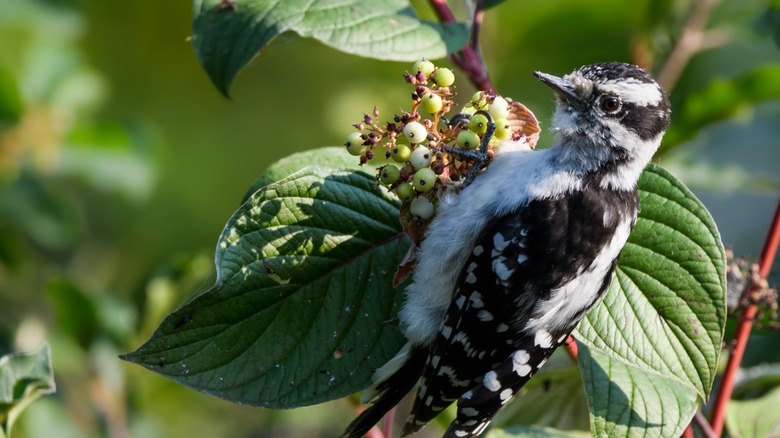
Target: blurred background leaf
column 23, row 378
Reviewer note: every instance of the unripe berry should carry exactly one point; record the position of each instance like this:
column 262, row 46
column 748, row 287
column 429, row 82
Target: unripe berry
column 468, row 140
column 503, row 129
column 425, row 67
column 499, row 109
column 424, row 180
column 432, row 103
column 421, row 207
column 421, row 157
column 478, row 123
column 415, row 132
column 401, row 153
column 444, row 77
column 468, row 109
column 389, row 174
column 478, row 100
column 354, row 144
column 405, row 191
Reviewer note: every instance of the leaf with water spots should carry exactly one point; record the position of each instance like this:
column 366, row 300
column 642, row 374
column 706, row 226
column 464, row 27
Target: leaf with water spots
column 303, row 307
column 657, row 335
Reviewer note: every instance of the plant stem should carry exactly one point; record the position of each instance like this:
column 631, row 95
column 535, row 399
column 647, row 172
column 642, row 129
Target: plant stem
column 743, row 330
column 467, row 59
column 690, row 41
column 701, row 421
column 387, row 423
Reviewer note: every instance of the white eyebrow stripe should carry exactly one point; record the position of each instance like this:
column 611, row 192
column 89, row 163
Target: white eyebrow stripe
column 633, row 91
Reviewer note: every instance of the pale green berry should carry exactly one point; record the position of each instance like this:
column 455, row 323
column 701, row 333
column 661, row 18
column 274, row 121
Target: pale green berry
column 389, row 174
column 354, row 144
column 468, row 109
column 503, row 129
column 425, row 67
column 421, row 207
column 400, row 153
column 405, row 191
column 478, row 123
column 468, row 140
column 478, row 100
column 432, row 103
column 499, row 109
column 424, row 180
column 444, row 77
column 421, row 157
column 415, row 132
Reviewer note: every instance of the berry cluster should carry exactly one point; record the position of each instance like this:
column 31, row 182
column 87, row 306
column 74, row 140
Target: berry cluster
column 424, row 143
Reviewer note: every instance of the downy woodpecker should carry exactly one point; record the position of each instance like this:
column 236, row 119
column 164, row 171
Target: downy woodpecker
column 511, row 264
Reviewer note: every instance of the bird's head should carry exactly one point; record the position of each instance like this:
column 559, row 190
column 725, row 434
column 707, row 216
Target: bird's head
column 612, row 109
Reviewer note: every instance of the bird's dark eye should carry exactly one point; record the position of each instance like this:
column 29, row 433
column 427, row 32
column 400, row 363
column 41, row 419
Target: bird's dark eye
column 610, row 104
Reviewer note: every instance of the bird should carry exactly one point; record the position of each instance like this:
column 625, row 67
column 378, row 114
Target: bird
column 511, row 264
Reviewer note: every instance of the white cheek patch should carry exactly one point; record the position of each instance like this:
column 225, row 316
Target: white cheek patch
column 634, row 91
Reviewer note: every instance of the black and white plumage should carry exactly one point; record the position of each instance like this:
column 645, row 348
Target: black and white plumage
column 511, row 264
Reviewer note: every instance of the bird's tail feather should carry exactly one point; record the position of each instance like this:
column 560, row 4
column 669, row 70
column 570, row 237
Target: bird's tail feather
column 389, row 391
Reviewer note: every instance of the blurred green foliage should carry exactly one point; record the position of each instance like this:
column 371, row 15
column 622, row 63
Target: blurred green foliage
column 120, row 163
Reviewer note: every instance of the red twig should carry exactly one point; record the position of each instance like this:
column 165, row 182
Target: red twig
column 571, row 347
column 743, row 330
column 467, row 59
column 688, row 432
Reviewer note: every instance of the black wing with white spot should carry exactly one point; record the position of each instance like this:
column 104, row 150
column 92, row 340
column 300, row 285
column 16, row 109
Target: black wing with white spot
column 484, row 351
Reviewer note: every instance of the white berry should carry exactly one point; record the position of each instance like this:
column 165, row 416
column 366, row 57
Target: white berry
column 415, row 132
column 421, row 157
column 421, row 207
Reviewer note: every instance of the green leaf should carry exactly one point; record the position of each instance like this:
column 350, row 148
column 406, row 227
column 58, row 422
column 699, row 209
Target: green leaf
column 228, row 34
column 11, row 105
column 721, row 99
column 553, row 398
column 631, row 401
column 534, row 432
column 333, row 157
column 74, row 311
column 24, row 377
column 754, row 418
column 111, row 158
column 301, row 310
column 662, row 319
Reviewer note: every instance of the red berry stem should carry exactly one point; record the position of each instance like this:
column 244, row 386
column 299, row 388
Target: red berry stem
column 387, row 424
column 571, row 347
column 743, row 329
column 467, row 59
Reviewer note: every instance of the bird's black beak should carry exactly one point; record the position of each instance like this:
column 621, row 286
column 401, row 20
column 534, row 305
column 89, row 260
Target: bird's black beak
column 562, row 87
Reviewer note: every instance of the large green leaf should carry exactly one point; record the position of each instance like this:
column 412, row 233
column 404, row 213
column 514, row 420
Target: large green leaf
column 303, row 305
column 23, row 378
column 631, row 401
column 658, row 333
column 228, row 34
